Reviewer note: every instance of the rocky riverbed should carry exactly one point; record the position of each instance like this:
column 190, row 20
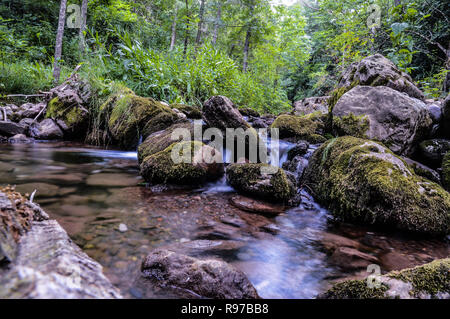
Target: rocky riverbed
column 299, row 252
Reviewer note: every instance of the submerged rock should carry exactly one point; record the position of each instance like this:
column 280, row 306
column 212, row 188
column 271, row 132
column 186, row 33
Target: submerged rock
column 42, row 261
column 362, row 181
column 209, row 278
column 256, row 206
column 382, row 114
column 196, row 164
column 423, row 282
column 256, row 180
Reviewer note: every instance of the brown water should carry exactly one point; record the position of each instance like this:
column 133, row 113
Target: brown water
column 92, row 191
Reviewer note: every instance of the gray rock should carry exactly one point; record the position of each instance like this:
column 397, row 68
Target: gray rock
column 376, row 70
column 45, row 263
column 219, row 112
column 208, row 278
column 311, row 105
column 29, row 110
column 382, row 114
column 46, row 130
column 9, row 129
column 435, row 112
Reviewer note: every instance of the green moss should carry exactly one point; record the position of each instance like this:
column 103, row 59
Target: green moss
column 446, row 171
column 355, row 289
column 306, row 128
column 337, row 94
column 351, row 124
column 159, row 168
column 364, row 182
column 247, row 178
column 71, row 115
column 432, row 278
column 161, row 140
column 130, row 116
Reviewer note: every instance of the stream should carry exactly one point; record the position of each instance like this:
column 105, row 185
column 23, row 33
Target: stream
column 103, row 204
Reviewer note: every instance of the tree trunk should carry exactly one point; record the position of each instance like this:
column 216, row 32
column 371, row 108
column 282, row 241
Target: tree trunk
column 59, row 40
column 217, row 24
column 173, row 39
column 84, row 4
column 247, row 42
column 186, row 36
column 200, row 24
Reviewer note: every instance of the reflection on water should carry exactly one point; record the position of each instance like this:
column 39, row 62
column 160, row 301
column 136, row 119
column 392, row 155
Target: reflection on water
column 92, row 191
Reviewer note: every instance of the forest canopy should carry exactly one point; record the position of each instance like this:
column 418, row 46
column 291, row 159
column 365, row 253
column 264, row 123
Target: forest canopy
column 261, row 54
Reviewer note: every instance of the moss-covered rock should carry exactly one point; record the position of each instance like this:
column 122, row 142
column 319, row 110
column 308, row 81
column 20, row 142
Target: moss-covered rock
column 296, row 128
column 251, row 179
column 203, row 163
column 161, row 140
column 190, row 111
column 364, row 182
column 68, row 106
column 427, row 281
column 131, row 116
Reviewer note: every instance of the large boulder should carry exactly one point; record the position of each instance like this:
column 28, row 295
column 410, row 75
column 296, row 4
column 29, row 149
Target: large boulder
column 362, row 181
column 46, row 130
column 429, row 281
column 198, row 163
column 261, row 180
column 219, row 112
column 130, row 117
column 382, row 114
column 311, row 105
column 39, row 260
column 209, row 278
column 446, row 116
column 376, row 70
column 306, row 128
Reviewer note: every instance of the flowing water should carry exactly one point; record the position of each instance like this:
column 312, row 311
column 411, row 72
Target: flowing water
column 99, row 198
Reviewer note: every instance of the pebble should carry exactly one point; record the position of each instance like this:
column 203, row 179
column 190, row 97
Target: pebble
column 123, row 228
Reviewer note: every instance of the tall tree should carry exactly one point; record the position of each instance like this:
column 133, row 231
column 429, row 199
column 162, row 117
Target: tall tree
column 217, row 22
column 173, row 38
column 59, row 40
column 84, row 5
column 186, row 36
column 200, row 24
column 247, row 40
